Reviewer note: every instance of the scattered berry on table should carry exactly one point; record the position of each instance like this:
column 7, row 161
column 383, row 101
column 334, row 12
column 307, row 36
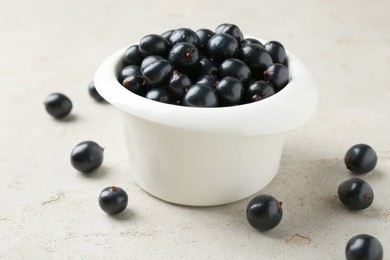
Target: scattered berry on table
column 360, row 159
column 264, row 212
column 113, row 200
column 93, row 92
column 355, row 194
column 58, row 105
column 364, row 247
column 87, row 156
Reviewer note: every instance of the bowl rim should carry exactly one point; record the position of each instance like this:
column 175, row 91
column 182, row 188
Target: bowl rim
column 284, row 111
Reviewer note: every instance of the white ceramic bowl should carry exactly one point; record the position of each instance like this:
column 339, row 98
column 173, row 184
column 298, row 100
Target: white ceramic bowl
column 207, row 156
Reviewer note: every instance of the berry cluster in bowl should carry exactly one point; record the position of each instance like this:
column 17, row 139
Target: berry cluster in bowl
column 204, row 68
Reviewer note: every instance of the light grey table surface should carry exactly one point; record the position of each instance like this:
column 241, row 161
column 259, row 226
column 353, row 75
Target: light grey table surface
column 50, row 211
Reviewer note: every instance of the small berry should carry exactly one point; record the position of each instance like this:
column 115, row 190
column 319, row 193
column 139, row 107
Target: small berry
column 184, row 56
column 87, row 156
column 184, row 35
column 355, row 194
column 360, row 159
column 264, row 212
column 257, row 58
column 93, row 92
column 230, row 29
column 364, row 247
column 235, row 68
column 278, row 75
column 259, row 90
column 153, row 44
column 229, row 91
column 156, row 70
column 133, row 56
column 200, row 95
column 58, row 105
column 160, row 95
column 113, row 200
column 221, row 47
column 277, row 51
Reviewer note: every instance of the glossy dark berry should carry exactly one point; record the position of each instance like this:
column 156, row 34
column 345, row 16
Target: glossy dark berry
column 58, row 105
column 200, row 95
column 247, row 41
column 135, row 83
column 204, row 37
column 86, row 156
column 257, row 58
column 153, row 44
column 360, row 159
column 235, row 68
column 264, row 212
column 278, row 75
column 156, row 70
column 184, row 35
column 355, row 194
column 179, row 84
column 259, row 90
column 93, row 92
column 209, row 80
column 364, row 247
column 277, row 51
column 113, row 200
column 160, row 95
column 230, row 29
column 133, row 56
column 221, row 47
column 207, row 67
column 229, row 91
column 127, row 71
column 167, row 34
column 184, row 56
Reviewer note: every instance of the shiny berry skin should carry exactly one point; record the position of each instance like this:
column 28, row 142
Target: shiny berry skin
column 113, row 200
column 360, row 159
column 160, row 95
column 153, row 44
column 87, row 156
column 264, row 212
column 135, row 83
column 129, row 70
column 133, row 56
column 229, row 91
column 221, row 47
column 209, row 80
column 184, row 56
column 58, row 105
column 355, row 194
column 179, row 84
column 167, row 34
column 257, row 58
column 207, row 67
column 230, row 29
column 93, row 92
column 235, row 68
column 364, row 247
column 277, row 51
column 247, row 41
column 278, row 75
column 204, row 37
column 259, row 90
column 200, row 95
column 184, row 35
column 156, row 70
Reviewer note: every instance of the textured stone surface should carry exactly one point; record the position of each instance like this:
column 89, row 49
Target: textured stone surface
column 49, row 210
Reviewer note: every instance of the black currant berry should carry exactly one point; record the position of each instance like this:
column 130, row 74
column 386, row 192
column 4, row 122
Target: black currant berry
column 113, row 200
column 160, row 95
column 236, row 69
column 230, row 29
column 278, row 75
column 135, row 83
column 87, row 156
column 153, row 44
column 93, row 92
column 229, row 91
column 184, row 35
column 179, row 84
column 221, row 47
column 364, row 247
column 209, row 80
column 355, row 194
column 184, row 56
column 207, row 67
column 277, row 51
column 200, row 95
column 360, row 159
column 127, row 71
column 257, row 58
column 155, row 70
column 167, row 34
column 58, row 105
column 247, row 41
column 259, row 90
column 133, row 56
column 204, row 37
column 264, row 212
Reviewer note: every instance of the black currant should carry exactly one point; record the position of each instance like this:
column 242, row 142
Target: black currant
column 278, row 75
column 160, row 95
column 179, row 84
column 277, row 51
column 259, row 90
column 167, row 34
column 360, row 159
column 184, row 35
column 153, row 44
column 235, row 68
column 257, row 58
column 135, row 83
column 355, row 194
column 200, row 95
column 87, row 156
column 230, row 29
column 364, row 247
column 221, row 47
column 113, row 200
column 156, row 70
column 58, row 105
column 247, row 41
column 184, row 56
column 207, row 67
column 93, row 92
column 204, row 37
column 264, row 212
column 133, row 56
column 209, row 80
column 229, row 91
column 129, row 70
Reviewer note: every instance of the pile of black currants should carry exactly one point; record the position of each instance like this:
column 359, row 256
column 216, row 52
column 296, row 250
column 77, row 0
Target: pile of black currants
column 204, row 68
